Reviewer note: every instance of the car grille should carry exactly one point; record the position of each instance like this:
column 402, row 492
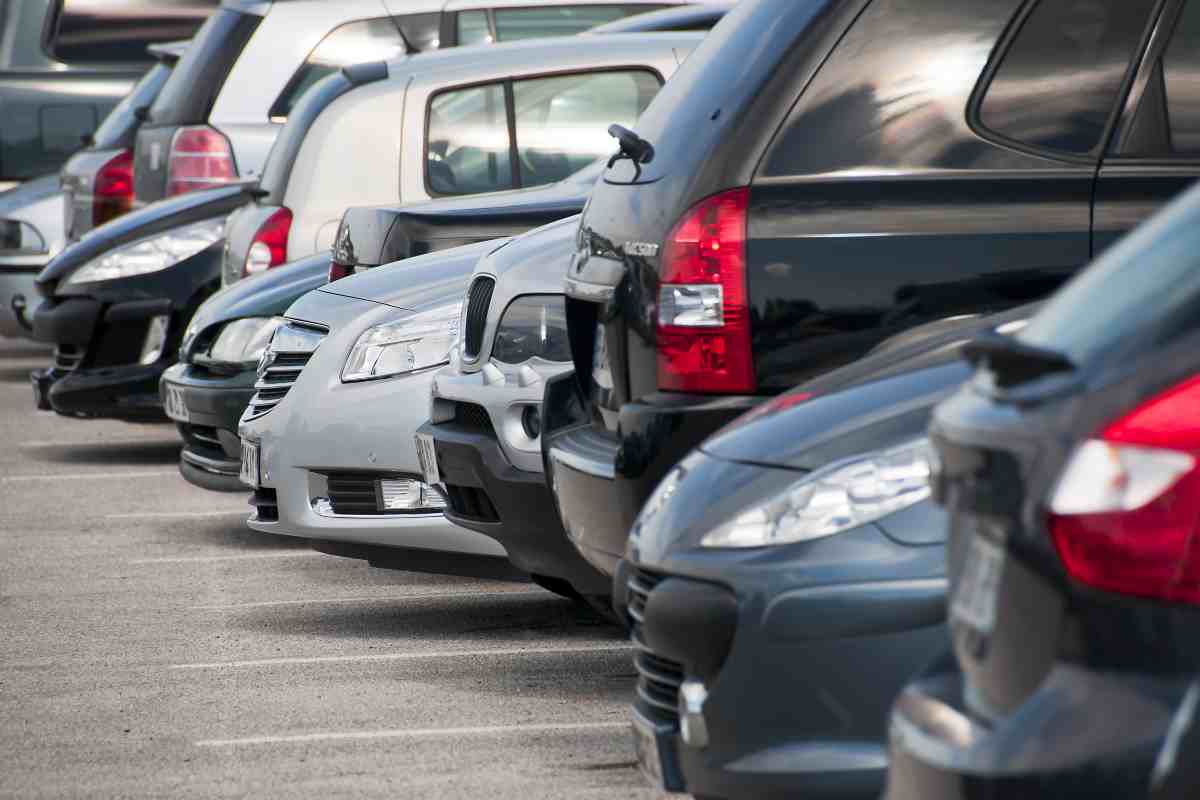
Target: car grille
column 471, row 503
column 67, row 357
column 479, row 297
column 359, row 493
column 659, row 679
column 266, row 504
column 203, row 439
column 474, row 417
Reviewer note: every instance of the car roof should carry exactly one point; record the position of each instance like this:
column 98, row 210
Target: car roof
column 664, row 19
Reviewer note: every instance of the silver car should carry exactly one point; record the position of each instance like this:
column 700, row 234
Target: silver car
column 327, row 440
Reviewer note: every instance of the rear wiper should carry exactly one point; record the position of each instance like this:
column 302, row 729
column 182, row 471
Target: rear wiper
column 1014, row 362
column 633, row 147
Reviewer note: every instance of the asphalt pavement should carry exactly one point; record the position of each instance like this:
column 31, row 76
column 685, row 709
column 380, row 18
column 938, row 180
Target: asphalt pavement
column 151, row 645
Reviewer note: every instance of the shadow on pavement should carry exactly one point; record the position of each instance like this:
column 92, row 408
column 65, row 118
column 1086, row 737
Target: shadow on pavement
column 121, row 453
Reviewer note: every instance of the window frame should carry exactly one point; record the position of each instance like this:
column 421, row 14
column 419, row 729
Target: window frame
column 49, row 36
column 974, row 116
column 450, row 18
column 510, row 111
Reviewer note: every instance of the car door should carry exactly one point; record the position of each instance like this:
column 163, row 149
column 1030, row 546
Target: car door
column 1155, row 150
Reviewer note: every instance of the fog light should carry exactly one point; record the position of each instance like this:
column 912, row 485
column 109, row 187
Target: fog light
column 692, row 726
column 531, row 421
column 156, row 340
column 405, row 494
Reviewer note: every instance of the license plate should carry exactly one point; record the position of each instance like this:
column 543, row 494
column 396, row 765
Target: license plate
column 250, row 464
column 175, row 405
column 427, row 454
column 974, row 601
column 645, row 745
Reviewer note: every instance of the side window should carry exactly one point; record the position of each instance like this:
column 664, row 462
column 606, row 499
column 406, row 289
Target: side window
column 468, row 148
column 1061, row 77
column 561, row 125
column 565, row 20
column 1167, row 121
column 562, row 122
column 421, row 31
column 474, row 28
column 100, row 31
column 353, row 43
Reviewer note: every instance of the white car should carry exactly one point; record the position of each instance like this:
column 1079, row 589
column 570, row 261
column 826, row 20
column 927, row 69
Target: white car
column 453, row 122
column 218, row 115
column 327, row 440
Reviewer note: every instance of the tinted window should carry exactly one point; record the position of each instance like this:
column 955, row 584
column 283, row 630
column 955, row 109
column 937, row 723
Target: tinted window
column 531, row 23
column 562, row 122
column 101, row 31
column 469, row 148
column 190, row 92
column 421, row 31
column 1061, row 77
column 353, row 43
column 120, row 121
column 473, row 27
column 1167, row 122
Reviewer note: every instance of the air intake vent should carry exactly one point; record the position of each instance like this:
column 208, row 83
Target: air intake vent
column 478, row 299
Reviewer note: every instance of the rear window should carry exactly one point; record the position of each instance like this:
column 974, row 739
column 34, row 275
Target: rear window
column 190, row 92
column 120, row 121
column 353, row 43
column 1142, row 294
column 102, row 31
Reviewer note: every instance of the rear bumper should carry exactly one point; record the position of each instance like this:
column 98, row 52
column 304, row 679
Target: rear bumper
column 211, row 457
column 600, row 480
column 520, row 512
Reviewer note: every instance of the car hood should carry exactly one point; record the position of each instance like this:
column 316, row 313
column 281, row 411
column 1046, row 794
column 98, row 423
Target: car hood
column 154, row 218
column 31, row 191
column 534, row 262
column 414, row 283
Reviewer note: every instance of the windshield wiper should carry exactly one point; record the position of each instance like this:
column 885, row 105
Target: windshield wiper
column 1014, row 362
column 633, row 147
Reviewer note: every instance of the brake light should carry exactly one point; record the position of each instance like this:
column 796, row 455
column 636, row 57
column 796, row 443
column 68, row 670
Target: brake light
column 338, row 271
column 1125, row 512
column 703, row 315
column 112, row 188
column 269, row 246
column 200, row 158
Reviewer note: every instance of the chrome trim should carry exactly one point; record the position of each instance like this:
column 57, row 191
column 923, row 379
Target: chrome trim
column 587, row 451
column 323, row 508
column 592, row 292
column 211, row 464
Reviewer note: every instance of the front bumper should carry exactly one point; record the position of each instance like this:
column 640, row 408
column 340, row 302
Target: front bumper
column 600, row 480
column 211, row 456
column 1082, row 735
column 128, row 393
column 18, row 298
column 486, row 493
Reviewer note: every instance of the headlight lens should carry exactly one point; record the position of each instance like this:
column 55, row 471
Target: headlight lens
column 533, row 326
column 417, row 342
column 833, row 500
column 244, row 340
column 150, row 254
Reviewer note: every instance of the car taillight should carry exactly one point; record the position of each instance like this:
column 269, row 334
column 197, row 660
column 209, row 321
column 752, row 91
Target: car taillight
column 200, row 158
column 703, row 315
column 338, row 271
column 112, row 188
column 1125, row 513
column 269, row 246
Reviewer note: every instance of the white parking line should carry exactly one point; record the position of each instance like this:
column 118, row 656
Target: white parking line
column 179, row 514
column 367, row 657
column 239, row 557
column 415, row 733
column 89, row 476
column 387, row 599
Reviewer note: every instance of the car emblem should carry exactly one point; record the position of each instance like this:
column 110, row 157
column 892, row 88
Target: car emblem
column 266, row 360
column 642, row 249
column 155, row 155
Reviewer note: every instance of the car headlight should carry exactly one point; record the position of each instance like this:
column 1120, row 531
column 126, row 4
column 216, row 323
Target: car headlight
column 835, row 499
column 394, row 348
column 533, row 326
column 243, row 341
column 152, row 253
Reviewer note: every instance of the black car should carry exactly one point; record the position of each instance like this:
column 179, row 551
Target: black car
column 1070, row 471
column 117, row 301
column 207, row 391
column 788, row 576
column 821, row 175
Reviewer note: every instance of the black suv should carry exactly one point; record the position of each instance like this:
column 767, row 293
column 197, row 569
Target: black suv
column 821, row 175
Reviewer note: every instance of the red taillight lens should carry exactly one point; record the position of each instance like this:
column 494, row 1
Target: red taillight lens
column 112, row 189
column 703, row 315
column 269, row 246
column 338, row 271
column 1125, row 512
column 200, row 158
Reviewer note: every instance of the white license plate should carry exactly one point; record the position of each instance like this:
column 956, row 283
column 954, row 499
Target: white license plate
column 645, row 745
column 974, row 601
column 175, row 405
column 250, row 464
column 427, row 454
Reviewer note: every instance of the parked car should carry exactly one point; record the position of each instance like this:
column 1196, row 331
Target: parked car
column 436, row 125
column 482, row 439
column 1068, row 468
column 788, row 576
column 117, row 301
column 218, row 117
column 327, row 440
column 39, row 217
column 699, row 17
column 868, row 168
column 67, row 63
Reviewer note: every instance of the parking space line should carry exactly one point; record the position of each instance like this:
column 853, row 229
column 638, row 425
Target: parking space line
column 368, row 657
column 239, row 557
column 386, row 599
column 89, row 476
column 415, row 733
column 179, row 514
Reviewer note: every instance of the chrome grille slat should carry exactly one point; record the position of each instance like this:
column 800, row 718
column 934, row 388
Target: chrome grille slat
column 479, row 297
column 277, row 378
